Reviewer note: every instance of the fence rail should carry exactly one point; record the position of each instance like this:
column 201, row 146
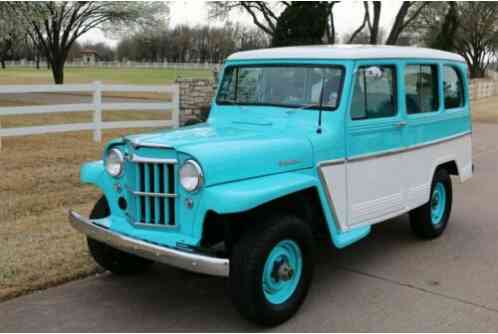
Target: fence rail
column 96, row 107
column 117, row 64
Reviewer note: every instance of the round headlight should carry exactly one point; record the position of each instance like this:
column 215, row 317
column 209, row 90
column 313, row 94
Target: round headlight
column 114, row 162
column 191, row 176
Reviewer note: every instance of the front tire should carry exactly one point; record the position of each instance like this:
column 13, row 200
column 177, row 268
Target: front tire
column 430, row 220
column 271, row 269
column 114, row 260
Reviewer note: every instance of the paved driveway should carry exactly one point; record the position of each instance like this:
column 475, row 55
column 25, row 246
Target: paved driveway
column 388, row 282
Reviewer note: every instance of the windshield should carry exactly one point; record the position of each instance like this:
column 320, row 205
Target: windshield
column 282, row 85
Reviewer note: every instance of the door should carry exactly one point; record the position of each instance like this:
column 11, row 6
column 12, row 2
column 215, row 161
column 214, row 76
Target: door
column 373, row 140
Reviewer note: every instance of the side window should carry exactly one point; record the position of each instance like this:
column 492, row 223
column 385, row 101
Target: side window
column 421, row 89
column 374, row 93
column 453, row 88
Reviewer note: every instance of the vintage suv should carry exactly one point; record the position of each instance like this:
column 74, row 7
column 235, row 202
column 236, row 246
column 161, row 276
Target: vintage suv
column 300, row 141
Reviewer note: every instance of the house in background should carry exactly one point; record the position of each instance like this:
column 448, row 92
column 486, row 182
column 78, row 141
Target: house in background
column 88, row 56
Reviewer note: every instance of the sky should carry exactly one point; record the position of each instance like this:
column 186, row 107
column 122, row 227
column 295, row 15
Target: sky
column 348, row 16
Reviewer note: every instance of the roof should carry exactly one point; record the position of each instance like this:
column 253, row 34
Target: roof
column 89, row 51
column 348, row 51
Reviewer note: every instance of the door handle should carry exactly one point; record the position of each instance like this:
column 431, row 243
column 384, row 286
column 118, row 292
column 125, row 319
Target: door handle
column 400, row 124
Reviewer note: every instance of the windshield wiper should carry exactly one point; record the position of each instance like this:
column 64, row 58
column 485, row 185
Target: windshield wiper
column 309, row 106
column 228, row 102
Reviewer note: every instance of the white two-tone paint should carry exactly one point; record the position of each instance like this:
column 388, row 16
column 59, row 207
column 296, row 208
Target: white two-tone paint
column 365, row 190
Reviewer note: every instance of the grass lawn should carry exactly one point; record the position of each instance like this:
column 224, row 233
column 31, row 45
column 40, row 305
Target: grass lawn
column 29, row 76
column 40, row 178
column 40, row 182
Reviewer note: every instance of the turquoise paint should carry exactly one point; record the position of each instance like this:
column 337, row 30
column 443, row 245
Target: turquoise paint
column 438, row 203
column 240, row 149
column 286, row 252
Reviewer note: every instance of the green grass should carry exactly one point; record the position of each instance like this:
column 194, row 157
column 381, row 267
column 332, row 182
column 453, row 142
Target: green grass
column 23, row 75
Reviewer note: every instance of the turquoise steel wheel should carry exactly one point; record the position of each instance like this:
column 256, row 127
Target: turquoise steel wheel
column 430, row 220
column 271, row 268
column 438, row 203
column 282, row 271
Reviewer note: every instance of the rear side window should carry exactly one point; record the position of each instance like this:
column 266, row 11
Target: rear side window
column 374, row 92
column 453, row 88
column 421, row 86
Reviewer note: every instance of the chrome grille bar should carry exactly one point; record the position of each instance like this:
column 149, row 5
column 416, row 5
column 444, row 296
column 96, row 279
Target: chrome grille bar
column 153, row 193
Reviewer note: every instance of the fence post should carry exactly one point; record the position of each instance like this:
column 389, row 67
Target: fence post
column 97, row 114
column 175, row 116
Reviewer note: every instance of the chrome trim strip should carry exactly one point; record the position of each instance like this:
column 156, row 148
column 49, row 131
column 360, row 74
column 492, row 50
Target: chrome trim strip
column 137, row 144
column 390, row 152
column 407, row 149
column 142, row 193
column 329, row 196
column 195, row 262
column 331, row 162
column 139, row 159
column 153, row 225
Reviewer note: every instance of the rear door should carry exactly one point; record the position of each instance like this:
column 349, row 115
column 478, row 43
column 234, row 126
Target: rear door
column 373, row 141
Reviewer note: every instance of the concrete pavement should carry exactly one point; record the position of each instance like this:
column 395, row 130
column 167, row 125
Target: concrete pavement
column 390, row 281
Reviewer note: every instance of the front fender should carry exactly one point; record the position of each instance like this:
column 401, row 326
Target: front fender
column 94, row 173
column 244, row 195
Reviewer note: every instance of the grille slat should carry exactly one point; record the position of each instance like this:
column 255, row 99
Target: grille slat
column 147, row 190
column 153, row 193
column 157, row 180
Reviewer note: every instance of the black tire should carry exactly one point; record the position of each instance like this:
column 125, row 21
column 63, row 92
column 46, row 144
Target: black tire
column 247, row 264
column 109, row 258
column 421, row 220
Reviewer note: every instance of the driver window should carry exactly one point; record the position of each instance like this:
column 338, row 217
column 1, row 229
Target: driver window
column 374, row 93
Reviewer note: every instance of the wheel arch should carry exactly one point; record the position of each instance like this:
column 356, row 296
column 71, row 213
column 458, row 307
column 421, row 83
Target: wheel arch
column 228, row 227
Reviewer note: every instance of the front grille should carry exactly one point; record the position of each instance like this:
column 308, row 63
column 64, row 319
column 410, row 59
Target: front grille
column 153, row 191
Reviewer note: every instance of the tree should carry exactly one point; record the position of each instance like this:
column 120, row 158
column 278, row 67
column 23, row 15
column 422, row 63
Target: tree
column 301, row 23
column 467, row 28
column 10, row 35
column 265, row 15
column 407, row 13
column 446, row 36
column 55, row 26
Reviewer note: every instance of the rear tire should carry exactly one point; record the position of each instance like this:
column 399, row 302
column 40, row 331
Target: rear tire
column 430, row 220
column 271, row 268
column 114, row 260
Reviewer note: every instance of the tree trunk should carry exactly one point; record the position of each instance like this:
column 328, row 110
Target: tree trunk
column 374, row 33
column 397, row 26
column 58, row 72
column 37, row 60
column 3, row 63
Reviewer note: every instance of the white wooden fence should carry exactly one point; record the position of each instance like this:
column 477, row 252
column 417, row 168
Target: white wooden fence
column 118, row 64
column 171, row 109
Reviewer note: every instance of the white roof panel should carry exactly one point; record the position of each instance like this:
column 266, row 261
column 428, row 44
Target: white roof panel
column 348, row 51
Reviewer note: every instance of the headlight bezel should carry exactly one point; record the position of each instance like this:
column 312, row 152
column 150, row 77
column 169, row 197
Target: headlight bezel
column 200, row 175
column 121, row 161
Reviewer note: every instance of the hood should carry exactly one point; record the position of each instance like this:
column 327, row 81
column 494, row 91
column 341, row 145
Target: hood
column 228, row 153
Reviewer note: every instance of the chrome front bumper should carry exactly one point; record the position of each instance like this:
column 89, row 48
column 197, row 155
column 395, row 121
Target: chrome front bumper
column 189, row 261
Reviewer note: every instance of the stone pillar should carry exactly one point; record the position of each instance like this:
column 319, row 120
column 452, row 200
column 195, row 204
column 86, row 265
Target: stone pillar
column 195, row 98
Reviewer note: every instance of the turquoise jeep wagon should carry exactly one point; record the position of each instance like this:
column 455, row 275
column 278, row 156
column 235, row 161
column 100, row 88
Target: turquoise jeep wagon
column 300, row 142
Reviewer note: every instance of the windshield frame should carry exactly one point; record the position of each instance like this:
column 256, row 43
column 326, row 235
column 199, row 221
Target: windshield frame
column 320, row 106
